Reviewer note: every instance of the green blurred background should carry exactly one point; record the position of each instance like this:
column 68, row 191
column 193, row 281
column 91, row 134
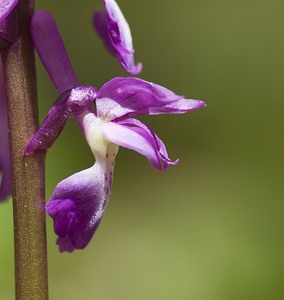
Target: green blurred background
column 211, row 227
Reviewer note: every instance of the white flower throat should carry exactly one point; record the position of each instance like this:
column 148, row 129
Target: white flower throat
column 92, row 127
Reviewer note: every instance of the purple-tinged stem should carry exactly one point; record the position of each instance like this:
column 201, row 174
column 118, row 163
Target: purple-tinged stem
column 27, row 172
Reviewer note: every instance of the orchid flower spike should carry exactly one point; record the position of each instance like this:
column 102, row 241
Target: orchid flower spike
column 105, row 117
column 112, row 27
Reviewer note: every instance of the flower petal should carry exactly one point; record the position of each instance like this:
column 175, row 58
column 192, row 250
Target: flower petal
column 9, row 29
column 126, row 97
column 135, row 135
column 101, row 27
column 51, row 50
column 77, row 206
column 113, row 29
column 5, row 168
column 6, row 7
column 73, row 101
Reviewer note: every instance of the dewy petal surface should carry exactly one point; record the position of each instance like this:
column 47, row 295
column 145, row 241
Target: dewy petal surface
column 77, row 205
column 6, row 7
column 126, row 97
column 5, row 168
column 113, row 29
column 52, row 52
column 135, row 135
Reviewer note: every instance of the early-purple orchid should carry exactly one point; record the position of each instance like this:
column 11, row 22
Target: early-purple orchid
column 105, row 117
column 7, row 36
column 113, row 29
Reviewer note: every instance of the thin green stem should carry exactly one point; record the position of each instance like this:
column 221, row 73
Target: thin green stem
column 27, row 172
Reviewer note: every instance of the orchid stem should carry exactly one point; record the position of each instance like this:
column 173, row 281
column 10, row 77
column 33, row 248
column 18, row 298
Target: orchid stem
column 27, row 172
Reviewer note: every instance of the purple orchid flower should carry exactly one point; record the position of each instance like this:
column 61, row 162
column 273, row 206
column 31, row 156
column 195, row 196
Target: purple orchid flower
column 79, row 201
column 113, row 29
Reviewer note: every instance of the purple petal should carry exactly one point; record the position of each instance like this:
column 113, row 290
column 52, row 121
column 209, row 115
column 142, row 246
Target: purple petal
column 73, row 101
column 113, row 29
column 77, row 206
column 5, row 168
column 51, row 50
column 6, row 7
column 9, row 29
column 134, row 135
column 125, row 97
column 101, row 27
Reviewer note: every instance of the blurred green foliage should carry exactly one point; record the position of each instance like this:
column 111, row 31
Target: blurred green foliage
column 211, row 227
